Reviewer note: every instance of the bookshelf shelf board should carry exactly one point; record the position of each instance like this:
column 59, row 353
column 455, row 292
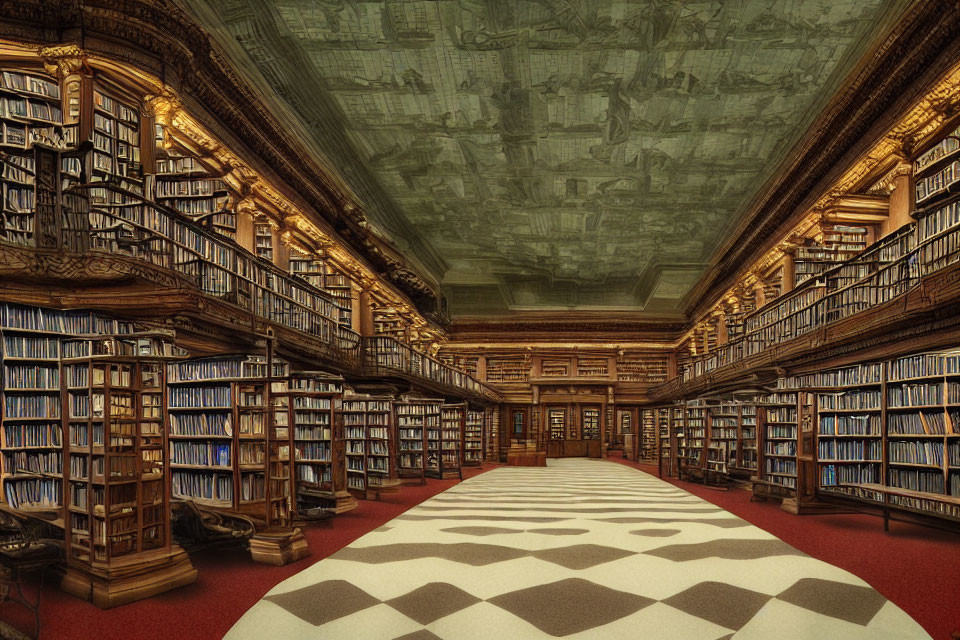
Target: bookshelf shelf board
column 910, row 436
column 921, row 465
column 916, row 407
column 830, row 436
column 205, row 467
column 847, row 461
column 869, row 410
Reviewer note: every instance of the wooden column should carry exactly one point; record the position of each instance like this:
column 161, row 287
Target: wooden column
column 901, row 199
column 789, row 273
column 365, row 312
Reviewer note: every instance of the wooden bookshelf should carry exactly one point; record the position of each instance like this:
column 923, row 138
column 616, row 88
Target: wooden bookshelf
column 118, row 502
column 777, row 431
column 678, row 432
column 647, row 436
column 473, row 436
column 83, row 447
column 695, row 436
column 747, row 440
column 850, row 447
column 313, row 402
column 31, row 111
column 590, row 422
column 414, row 417
column 724, row 428
column 665, row 446
column 449, row 444
column 183, row 182
column 370, row 445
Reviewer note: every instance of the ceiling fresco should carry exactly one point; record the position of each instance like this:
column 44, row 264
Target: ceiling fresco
column 551, row 154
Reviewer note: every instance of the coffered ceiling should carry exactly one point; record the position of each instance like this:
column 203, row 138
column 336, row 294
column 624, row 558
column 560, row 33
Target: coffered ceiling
column 550, row 154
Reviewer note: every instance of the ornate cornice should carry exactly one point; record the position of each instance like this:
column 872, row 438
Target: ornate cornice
column 158, row 38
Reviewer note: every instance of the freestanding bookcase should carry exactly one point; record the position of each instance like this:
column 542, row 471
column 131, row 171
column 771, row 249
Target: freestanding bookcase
column 117, row 518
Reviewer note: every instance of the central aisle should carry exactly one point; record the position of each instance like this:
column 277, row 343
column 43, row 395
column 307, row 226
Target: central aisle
column 583, row 548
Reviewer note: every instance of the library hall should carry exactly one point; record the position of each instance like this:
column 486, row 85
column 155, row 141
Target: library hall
column 476, row 319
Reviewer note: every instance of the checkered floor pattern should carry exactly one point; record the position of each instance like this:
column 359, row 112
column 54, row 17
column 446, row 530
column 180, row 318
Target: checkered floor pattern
column 580, row 549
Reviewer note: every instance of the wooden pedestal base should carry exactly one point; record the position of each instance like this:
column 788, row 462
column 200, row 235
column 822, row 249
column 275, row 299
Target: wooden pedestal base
column 387, row 486
column 278, row 547
column 130, row 579
column 344, row 501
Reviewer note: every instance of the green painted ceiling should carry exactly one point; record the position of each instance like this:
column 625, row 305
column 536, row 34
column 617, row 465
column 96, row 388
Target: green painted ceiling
column 550, row 154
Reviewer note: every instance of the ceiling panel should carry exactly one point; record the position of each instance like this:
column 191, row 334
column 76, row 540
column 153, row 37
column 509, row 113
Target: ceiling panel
column 553, row 153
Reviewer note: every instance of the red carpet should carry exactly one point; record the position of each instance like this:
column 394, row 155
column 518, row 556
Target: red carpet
column 917, row 568
column 228, row 583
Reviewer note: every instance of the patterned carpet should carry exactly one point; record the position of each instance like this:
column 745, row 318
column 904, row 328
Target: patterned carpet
column 582, row 549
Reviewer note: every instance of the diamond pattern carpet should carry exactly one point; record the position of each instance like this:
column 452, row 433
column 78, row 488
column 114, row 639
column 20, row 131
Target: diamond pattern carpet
column 582, row 548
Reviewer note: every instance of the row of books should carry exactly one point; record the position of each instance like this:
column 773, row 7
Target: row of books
column 201, row 424
column 24, row 82
column 916, row 480
column 949, row 145
column 202, row 484
column 200, row 453
column 914, row 395
column 913, row 452
column 921, row 422
column 865, row 450
column 31, row 376
column 197, row 397
column 50, row 462
column 33, row 492
column 314, row 473
column 862, row 399
column 217, row 369
column 938, row 182
column 35, row 348
column 31, row 406
column 849, row 424
column 315, row 451
column 832, row 474
column 301, row 432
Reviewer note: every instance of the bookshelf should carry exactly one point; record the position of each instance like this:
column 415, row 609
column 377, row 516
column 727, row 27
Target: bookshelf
column 369, row 444
column 695, row 434
column 220, row 422
column 414, row 417
column 263, row 241
column 322, row 276
column 82, row 446
column 30, row 111
column 777, row 428
column 850, row 447
column 923, row 433
column 182, row 182
column 117, row 502
column 647, row 448
column 314, row 403
column 473, row 438
column 836, row 243
column 747, row 440
column 452, row 426
column 556, row 423
column 678, row 429
column 665, row 446
column 507, row 369
column 492, row 425
column 647, row 368
column 355, row 451
column 724, row 427
column 590, row 423
column 32, row 437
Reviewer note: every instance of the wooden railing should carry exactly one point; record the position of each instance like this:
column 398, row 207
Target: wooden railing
column 887, row 270
column 385, row 356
